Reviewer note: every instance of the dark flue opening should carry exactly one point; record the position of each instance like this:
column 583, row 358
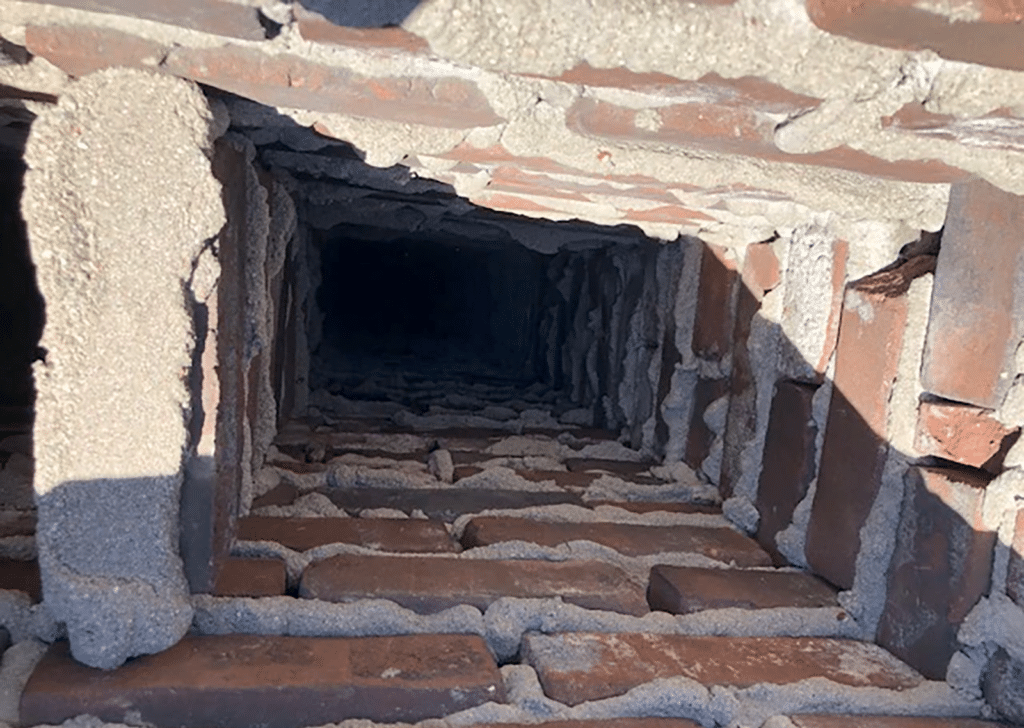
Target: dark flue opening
column 429, row 304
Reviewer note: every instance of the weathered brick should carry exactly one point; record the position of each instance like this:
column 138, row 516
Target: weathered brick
column 386, row 534
column 217, row 17
column 723, row 544
column 23, row 576
column 314, row 27
column 941, row 567
column 712, row 329
column 733, row 124
column 428, row 585
column 445, row 504
column 576, row 667
column 824, row 720
column 1015, row 580
column 788, row 462
column 245, row 681
column 761, row 272
column 700, row 438
column 853, row 456
column 977, row 312
column 684, row 589
column 238, row 577
column 964, row 434
column 988, row 32
column 80, row 50
column 292, row 81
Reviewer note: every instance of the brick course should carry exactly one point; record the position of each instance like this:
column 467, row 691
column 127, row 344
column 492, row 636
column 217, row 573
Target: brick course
column 788, row 461
column 941, row 567
column 683, row 590
column 964, row 434
column 578, row 667
column 385, row 534
column 977, row 311
column 723, row 544
column 855, row 447
column 245, row 681
column 428, row 585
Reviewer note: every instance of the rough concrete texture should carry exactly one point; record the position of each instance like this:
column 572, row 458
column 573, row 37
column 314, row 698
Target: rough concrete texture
column 777, row 47
column 815, row 276
column 119, row 200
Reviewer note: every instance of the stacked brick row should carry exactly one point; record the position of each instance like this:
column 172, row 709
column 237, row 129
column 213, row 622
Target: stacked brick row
column 608, row 329
column 869, row 425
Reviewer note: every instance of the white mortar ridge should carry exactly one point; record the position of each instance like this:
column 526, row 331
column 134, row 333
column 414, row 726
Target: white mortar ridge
column 120, row 150
column 19, row 660
column 609, row 487
column 569, row 513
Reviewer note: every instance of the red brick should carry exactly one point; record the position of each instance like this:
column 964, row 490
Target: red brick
column 80, row 50
column 856, row 443
column 428, row 585
column 291, row 81
column 282, row 495
column 994, row 39
column 941, row 567
column 977, row 312
column 653, row 506
column 712, row 330
column 683, row 589
column 577, row 667
column 964, row 434
column 412, row 535
column 217, row 17
column 700, row 438
column 886, row 721
column 562, row 478
column 761, row 272
column 314, row 27
column 722, row 544
column 733, row 124
column 1015, row 581
column 250, row 578
column 23, row 576
column 17, row 523
column 788, row 461
column 245, row 681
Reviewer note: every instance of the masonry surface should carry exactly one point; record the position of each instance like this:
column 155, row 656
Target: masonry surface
column 582, row 363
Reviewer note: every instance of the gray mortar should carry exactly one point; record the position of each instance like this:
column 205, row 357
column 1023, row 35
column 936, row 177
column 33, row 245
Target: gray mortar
column 19, row 660
column 677, row 406
column 119, row 199
column 866, row 600
column 609, row 487
column 763, row 352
